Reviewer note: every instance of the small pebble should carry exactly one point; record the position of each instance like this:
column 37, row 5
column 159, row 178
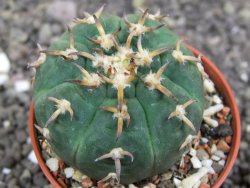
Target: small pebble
column 217, row 99
column 217, row 167
column 32, row 157
column 244, row 77
column 69, row 172
column 204, row 140
column 196, row 162
column 6, row 123
column 78, row 176
column 63, row 11
column 207, row 163
column 3, row 78
column 229, row 7
column 6, row 171
column 177, row 182
column 226, row 111
column 4, row 63
column 222, row 162
column 213, row 148
column 222, row 145
column 61, row 181
column 209, row 86
column 21, row 86
column 192, row 152
column 87, row 182
column 28, row 140
column 52, row 163
column 213, row 110
column 211, row 170
column 44, row 33
column 25, row 177
column 212, row 122
column 215, row 158
column 220, row 153
column 222, row 131
column 194, row 179
column 202, row 154
column 167, row 176
column 228, row 139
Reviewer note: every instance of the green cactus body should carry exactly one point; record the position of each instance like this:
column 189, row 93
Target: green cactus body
column 151, row 137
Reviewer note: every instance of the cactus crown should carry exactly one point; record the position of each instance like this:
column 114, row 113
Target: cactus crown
column 105, row 72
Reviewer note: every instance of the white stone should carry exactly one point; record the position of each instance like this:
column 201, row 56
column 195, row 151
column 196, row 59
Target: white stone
column 6, row 123
column 3, row 78
column 217, row 99
column 204, row 140
column 22, row 86
column 213, row 148
column 244, row 77
column 192, row 152
column 207, row 163
column 4, row 63
column 193, row 179
column 177, row 182
column 211, row 122
column 32, row 157
column 215, row 158
column 248, row 128
column 220, row 154
column 63, row 11
column 196, row 162
column 53, row 164
column 222, row 162
column 209, row 86
column 211, row 170
column 6, row 171
column 28, row 140
column 69, row 172
column 213, row 110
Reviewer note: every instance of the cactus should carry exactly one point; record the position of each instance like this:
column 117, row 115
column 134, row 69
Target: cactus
column 117, row 98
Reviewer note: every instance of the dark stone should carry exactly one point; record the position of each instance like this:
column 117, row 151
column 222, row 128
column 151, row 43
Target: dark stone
column 222, row 131
column 39, row 179
column 25, row 178
column 33, row 168
column 166, row 184
column 21, row 136
column 8, row 162
column 246, row 179
column 217, row 132
column 217, row 167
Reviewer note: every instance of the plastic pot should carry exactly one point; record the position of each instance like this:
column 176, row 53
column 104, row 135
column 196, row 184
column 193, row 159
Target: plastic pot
column 224, row 90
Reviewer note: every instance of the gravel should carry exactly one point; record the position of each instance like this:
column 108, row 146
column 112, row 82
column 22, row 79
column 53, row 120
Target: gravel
column 220, row 29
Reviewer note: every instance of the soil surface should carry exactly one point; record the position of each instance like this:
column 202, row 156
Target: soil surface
column 220, row 29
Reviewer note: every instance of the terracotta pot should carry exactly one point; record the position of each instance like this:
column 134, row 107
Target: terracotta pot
column 221, row 85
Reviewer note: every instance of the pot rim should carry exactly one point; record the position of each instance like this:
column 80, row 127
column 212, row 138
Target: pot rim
column 216, row 76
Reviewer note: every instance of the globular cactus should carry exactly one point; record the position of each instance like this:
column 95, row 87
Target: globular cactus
column 118, row 96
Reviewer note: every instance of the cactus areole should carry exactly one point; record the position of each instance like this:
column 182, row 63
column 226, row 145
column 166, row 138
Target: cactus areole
column 118, row 96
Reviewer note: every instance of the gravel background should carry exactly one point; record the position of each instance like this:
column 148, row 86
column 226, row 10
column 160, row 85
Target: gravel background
column 220, row 29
